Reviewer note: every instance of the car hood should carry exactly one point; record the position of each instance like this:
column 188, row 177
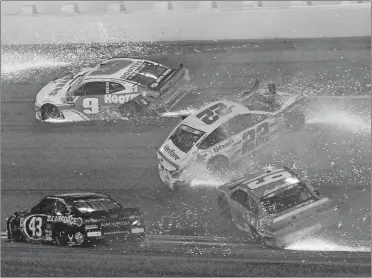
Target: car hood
column 173, row 155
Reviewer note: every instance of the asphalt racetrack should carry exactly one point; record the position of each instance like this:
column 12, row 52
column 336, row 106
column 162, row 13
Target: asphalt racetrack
column 118, row 157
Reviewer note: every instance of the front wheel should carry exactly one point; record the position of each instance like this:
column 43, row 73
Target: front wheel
column 60, row 237
column 223, row 207
column 130, row 109
column 219, row 165
column 50, row 111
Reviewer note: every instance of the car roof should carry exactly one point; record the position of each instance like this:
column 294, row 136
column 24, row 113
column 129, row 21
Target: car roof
column 116, row 68
column 237, row 109
column 79, row 195
column 267, row 188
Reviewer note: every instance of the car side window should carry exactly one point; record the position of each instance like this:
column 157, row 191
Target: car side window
column 240, row 196
column 46, row 206
column 59, row 208
column 91, row 89
column 115, row 87
column 212, row 139
column 237, row 124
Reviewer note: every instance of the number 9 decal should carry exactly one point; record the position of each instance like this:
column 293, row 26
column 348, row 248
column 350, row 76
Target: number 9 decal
column 90, row 105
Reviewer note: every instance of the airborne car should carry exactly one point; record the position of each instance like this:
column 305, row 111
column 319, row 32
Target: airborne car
column 223, row 132
column 75, row 219
column 100, row 92
column 276, row 207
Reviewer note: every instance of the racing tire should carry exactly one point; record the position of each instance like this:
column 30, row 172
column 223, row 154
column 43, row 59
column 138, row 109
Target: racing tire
column 60, row 237
column 50, row 111
column 223, row 207
column 295, row 120
column 14, row 233
column 219, row 165
column 130, row 109
column 264, row 241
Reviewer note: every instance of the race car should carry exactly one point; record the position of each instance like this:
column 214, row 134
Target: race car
column 220, row 134
column 101, row 92
column 76, row 219
column 275, row 207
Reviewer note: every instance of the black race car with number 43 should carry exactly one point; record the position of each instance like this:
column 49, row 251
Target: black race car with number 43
column 76, row 219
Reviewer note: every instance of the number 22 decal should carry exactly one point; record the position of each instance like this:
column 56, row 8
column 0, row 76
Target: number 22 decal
column 90, row 105
column 213, row 113
column 35, row 226
column 257, row 134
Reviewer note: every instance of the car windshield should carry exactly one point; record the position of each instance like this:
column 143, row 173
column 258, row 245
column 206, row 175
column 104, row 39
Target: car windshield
column 286, row 198
column 185, row 137
column 97, row 204
column 148, row 74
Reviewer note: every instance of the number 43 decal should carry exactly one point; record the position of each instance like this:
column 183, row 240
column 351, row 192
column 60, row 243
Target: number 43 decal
column 90, row 105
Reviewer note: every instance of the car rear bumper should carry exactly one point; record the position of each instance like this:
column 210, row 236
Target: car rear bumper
column 303, row 232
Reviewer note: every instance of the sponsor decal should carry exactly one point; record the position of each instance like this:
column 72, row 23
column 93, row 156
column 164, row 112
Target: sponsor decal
column 119, row 98
column 202, row 156
column 69, row 220
column 138, row 230
column 303, row 220
column 116, row 232
column 90, row 227
column 70, row 237
column 114, row 224
column 94, row 234
column 131, row 69
column 59, row 85
column 223, row 146
column 144, row 102
column 171, row 152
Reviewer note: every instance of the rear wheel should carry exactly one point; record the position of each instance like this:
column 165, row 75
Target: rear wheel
column 223, row 206
column 60, row 237
column 130, row 109
column 295, row 120
column 50, row 111
column 264, row 241
column 219, row 165
column 13, row 231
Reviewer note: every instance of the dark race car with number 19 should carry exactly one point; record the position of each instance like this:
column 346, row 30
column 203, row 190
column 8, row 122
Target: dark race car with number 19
column 223, row 132
column 276, row 208
column 76, row 219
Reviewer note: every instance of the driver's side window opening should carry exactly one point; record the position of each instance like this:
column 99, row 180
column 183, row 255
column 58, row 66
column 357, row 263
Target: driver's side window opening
column 91, row 89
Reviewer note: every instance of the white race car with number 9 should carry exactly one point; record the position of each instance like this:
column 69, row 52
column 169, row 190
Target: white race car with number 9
column 223, row 132
column 104, row 91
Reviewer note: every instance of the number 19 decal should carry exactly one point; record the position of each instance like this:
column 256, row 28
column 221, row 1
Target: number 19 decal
column 90, row 106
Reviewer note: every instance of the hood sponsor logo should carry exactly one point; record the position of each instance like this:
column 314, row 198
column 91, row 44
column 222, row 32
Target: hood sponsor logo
column 223, row 146
column 119, row 99
column 131, row 69
column 116, row 224
column 303, row 220
column 171, row 152
column 60, row 85
column 69, row 220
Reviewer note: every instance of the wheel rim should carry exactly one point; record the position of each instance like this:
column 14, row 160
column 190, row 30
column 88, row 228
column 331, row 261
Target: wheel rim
column 51, row 112
column 128, row 110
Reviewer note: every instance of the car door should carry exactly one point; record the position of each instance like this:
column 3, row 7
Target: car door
column 90, row 99
column 118, row 93
column 35, row 225
column 238, row 209
column 261, row 130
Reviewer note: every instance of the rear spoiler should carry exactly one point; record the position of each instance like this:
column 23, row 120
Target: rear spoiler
column 170, row 74
column 271, row 86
